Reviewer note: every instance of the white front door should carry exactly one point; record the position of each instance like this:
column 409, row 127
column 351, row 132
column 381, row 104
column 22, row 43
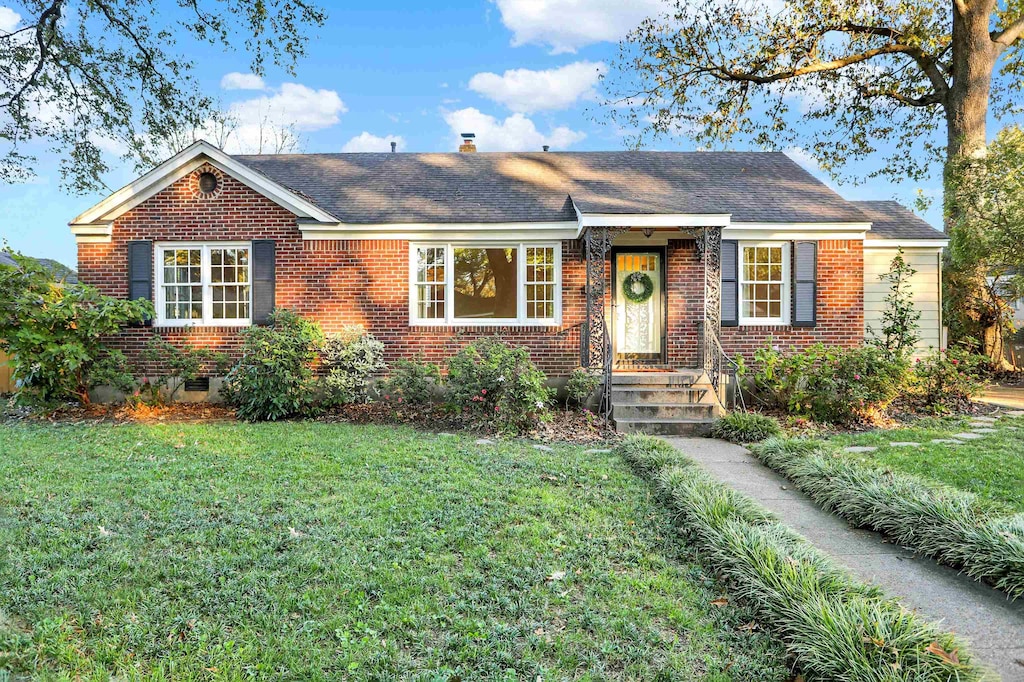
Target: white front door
column 639, row 306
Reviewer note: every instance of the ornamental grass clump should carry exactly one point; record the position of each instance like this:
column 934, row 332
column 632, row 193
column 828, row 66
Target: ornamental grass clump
column 953, row 526
column 835, row 626
column 745, row 427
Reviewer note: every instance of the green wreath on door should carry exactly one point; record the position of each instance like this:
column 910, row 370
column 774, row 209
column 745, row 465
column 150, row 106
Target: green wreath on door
column 629, row 288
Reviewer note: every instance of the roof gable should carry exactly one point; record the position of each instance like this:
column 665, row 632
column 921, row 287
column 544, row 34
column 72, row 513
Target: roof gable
column 95, row 223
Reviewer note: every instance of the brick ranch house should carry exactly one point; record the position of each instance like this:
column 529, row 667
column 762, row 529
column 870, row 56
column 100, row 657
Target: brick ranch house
column 622, row 261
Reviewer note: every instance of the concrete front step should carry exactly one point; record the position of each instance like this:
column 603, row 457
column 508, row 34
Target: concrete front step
column 678, row 379
column 660, row 394
column 662, row 411
column 664, row 427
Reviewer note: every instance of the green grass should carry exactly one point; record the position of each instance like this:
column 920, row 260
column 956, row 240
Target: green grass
column 991, row 467
column 305, row 551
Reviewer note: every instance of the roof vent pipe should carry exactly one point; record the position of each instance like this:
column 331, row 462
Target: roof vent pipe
column 394, row 146
column 546, row 147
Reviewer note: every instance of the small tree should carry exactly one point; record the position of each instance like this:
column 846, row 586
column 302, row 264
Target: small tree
column 900, row 328
column 55, row 334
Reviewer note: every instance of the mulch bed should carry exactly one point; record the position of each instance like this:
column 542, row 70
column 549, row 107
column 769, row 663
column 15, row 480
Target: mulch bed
column 564, row 426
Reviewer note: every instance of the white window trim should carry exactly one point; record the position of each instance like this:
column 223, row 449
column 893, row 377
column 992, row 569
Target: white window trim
column 786, row 286
column 449, row 286
column 207, row 319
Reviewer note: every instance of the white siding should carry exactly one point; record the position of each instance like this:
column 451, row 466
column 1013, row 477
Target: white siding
column 926, row 286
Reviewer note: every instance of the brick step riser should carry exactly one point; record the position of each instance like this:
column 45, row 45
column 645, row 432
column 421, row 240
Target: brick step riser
column 683, row 411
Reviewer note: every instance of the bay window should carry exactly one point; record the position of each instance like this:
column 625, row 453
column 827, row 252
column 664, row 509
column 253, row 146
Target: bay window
column 764, row 278
column 203, row 284
column 485, row 284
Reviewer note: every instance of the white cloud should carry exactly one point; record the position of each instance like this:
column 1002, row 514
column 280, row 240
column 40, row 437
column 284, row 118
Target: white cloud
column 515, row 133
column 526, row 91
column 802, row 157
column 9, row 20
column 368, row 142
column 294, row 105
column 241, row 81
column 566, row 25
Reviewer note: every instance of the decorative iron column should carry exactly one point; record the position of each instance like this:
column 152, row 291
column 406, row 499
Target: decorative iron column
column 710, row 247
column 595, row 340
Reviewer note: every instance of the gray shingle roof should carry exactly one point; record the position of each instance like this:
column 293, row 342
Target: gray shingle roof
column 890, row 220
column 542, row 186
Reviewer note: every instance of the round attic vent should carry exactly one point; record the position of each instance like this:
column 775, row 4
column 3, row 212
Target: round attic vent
column 207, row 183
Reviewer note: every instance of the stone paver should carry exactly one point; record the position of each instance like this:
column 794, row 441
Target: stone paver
column 597, row 451
column 1014, row 413
column 904, row 444
column 967, row 436
column 859, row 448
column 981, row 615
column 543, row 448
column 947, row 441
column 984, row 430
column 987, row 420
column 484, row 441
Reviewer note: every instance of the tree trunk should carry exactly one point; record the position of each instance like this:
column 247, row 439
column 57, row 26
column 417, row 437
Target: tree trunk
column 973, row 60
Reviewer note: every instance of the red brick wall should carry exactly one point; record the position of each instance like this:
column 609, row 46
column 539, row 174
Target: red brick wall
column 340, row 282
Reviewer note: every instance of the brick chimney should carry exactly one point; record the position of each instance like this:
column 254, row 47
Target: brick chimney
column 467, row 143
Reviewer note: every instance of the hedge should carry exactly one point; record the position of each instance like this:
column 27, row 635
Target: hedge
column 952, row 526
column 835, row 626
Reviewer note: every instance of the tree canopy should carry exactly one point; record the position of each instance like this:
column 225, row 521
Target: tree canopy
column 81, row 76
column 836, row 78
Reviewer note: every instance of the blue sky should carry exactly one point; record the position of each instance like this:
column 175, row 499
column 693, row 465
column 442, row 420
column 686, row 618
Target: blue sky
column 519, row 73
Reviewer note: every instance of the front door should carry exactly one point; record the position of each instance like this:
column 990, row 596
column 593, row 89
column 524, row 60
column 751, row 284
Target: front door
column 639, row 314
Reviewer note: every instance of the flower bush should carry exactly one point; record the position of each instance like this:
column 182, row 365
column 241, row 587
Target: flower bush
column 274, row 378
column 349, row 358
column 495, row 383
column 829, row 384
column 412, row 382
column 946, row 380
column 54, row 335
column 581, row 385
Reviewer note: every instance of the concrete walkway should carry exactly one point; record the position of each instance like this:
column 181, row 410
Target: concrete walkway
column 1004, row 396
column 993, row 625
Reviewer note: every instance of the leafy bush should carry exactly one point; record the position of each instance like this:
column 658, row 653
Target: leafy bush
column 947, row 380
column 951, row 525
column 900, row 330
column 413, row 382
column 274, row 378
column 829, row 384
column 350, row 358
column 176, row 365
column 581, row 385
column 498, row 384
column 834, row 626
column 55, row 334
column 745, row 427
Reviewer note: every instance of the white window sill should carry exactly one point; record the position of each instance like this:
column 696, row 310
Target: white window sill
column 168, row 324
column 767, row 322
column 454, row 324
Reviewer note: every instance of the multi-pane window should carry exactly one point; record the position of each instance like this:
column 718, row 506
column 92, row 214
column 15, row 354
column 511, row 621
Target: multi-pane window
column 203, row 284
column 430, row 283
column 763, row 273
column 466, row 284
column 540, row 282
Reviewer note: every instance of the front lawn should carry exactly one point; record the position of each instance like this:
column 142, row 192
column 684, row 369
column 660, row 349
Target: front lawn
column 309, row 551
column 992, row 466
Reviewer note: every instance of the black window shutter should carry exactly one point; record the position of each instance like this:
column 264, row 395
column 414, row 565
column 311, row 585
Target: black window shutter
column 730, row 283
column 805, row 284
column 263, row 279
column 140, row 270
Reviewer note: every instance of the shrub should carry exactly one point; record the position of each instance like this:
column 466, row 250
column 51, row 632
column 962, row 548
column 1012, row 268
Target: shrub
column 745, row 427
column 55, row 335
column 498, row 384
column 951, row 525
column 349, row 359
column 581, row 385
column 947, row 380
column 176, row 365
column 900, row 330
column 834, row 626
column 413, row 382
column 829, row 384
column 274, row 378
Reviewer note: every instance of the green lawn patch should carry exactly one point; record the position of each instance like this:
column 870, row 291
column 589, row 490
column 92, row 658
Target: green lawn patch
column 992, row 466
column 308, row 551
